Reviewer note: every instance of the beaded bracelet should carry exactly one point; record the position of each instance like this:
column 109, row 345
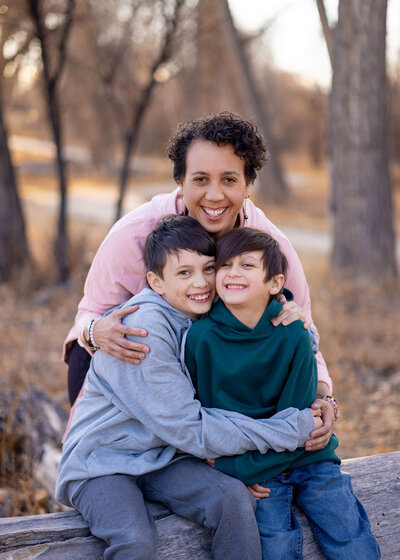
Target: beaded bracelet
column 92, row 342
column 332, row 401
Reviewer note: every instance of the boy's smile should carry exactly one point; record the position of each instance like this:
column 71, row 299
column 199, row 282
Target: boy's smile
column 188, row 282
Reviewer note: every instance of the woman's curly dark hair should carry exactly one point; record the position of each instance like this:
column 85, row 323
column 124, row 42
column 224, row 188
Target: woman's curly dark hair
column 222, row 129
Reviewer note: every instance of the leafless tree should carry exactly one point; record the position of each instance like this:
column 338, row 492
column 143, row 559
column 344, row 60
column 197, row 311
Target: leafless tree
column 220, row 41
column 13, row 241
column 364, row 242
column 52, row 25
column 141, row 106
column 128, row 47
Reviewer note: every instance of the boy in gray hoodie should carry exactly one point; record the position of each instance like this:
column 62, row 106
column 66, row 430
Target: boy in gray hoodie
column 138, row 432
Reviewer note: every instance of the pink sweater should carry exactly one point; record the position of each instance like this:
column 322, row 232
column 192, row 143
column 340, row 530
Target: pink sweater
column 118, row 272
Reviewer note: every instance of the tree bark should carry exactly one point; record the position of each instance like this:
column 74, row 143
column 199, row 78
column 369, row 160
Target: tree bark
column 364, row 242
column 13, row 243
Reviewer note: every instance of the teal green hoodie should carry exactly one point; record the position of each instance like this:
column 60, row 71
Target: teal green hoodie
column 256, row 372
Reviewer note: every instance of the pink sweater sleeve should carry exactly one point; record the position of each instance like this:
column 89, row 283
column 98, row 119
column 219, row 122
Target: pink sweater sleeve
column 117, row 273
column 295, row 280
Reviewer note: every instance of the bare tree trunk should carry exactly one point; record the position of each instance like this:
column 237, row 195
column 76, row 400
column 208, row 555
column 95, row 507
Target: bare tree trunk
column 13, row 243
column 53, row 107
column 144, row 102
column 363, row 230
column 213, row 54
column 271, row 180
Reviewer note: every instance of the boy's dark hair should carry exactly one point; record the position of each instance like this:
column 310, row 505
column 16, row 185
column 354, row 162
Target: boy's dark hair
column 173, row 234
column 222, row 129
column 247, row 239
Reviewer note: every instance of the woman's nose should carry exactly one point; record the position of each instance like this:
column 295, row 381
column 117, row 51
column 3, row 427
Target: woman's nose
column 214, row 192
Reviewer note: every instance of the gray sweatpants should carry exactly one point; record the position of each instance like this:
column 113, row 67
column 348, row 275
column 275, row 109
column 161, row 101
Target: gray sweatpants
column 115, row 510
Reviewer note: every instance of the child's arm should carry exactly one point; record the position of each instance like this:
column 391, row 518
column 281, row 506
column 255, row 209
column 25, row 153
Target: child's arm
column 160, row 396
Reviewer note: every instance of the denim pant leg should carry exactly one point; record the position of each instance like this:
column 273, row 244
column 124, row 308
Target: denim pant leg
column 338, row 519
column 198, row 492
column 114, row 509
column 280, row 533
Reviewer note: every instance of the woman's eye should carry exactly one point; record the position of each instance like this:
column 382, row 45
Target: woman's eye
column 230, row 180
column 225, row 265
column 184, row 273
column 199, row 180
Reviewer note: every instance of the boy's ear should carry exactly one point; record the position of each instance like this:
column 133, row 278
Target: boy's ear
column 155, row 282
column 277, row 284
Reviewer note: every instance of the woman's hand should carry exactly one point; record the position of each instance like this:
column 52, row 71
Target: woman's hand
column 109, row 334
column 289, row 313
column 259, row 491
column 320, row 436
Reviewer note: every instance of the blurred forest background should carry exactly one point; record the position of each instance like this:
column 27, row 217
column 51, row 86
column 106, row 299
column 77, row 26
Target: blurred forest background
column 90, row 92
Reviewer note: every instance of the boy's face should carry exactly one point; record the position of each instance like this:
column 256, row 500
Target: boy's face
column 241, row 282
column 188, row 282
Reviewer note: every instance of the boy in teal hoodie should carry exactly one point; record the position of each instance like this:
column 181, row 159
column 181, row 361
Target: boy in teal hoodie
column 240, row 362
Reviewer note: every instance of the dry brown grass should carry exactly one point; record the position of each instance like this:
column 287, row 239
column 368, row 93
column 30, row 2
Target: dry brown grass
column 359, row 327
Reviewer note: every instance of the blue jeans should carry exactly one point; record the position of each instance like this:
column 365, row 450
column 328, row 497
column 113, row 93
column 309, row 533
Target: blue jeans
column 338, row 520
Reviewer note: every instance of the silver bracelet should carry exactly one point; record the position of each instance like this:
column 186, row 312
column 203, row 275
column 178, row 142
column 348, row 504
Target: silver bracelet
column 92, row 342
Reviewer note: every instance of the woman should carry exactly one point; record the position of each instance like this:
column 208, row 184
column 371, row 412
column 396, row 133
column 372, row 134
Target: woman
column 216, row 159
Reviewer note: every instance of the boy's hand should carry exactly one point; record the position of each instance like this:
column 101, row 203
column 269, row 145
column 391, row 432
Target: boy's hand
column 320, row 436
column 289, row 313
column 316, row 412
column 259, row 491
column 109, row 334
column 211, row 462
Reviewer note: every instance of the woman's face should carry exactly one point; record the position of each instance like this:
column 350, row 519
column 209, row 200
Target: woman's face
column 214, row 186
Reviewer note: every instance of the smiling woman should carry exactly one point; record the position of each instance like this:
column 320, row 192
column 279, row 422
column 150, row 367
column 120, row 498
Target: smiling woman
column 215, row 159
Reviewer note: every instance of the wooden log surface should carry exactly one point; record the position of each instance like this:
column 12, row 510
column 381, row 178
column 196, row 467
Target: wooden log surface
column 65, row 536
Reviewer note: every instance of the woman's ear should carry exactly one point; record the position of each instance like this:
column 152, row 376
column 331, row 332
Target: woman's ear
column 155, row 282
column 277, row 282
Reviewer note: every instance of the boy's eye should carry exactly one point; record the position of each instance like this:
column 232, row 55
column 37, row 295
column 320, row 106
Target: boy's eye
column 183, row 273
column 247, row 265
column 210, row 268
column 225, row 265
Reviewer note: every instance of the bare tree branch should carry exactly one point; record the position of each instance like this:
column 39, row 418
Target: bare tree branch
column 141, row 106
column 328, row 33
column 69, row 18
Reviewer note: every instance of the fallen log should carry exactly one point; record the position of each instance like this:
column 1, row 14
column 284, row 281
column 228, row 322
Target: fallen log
column 65, row 536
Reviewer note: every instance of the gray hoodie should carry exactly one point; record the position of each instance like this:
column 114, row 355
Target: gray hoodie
column 134, row 419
